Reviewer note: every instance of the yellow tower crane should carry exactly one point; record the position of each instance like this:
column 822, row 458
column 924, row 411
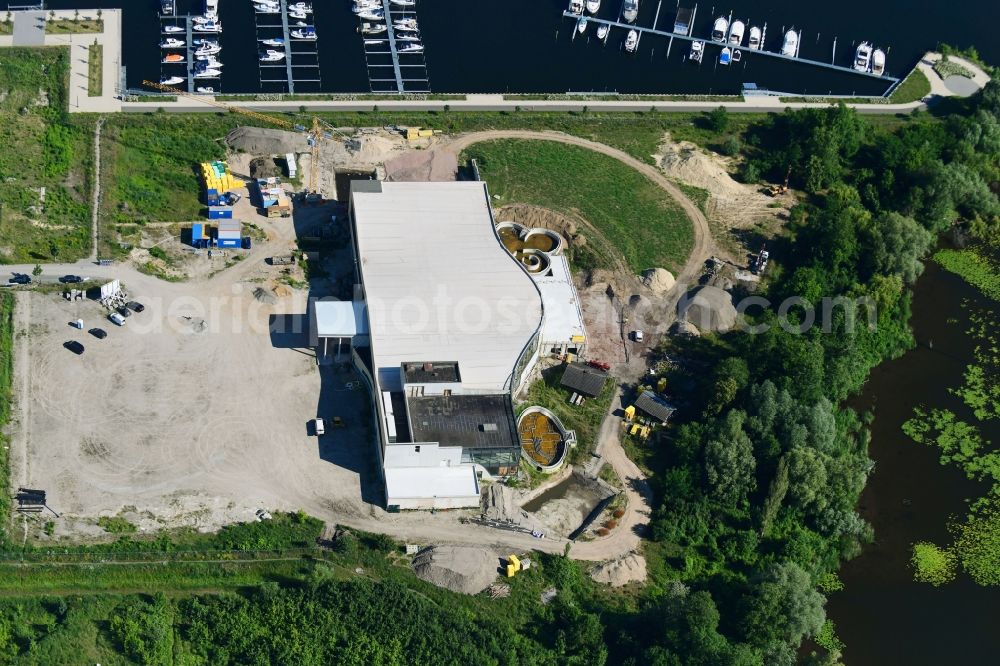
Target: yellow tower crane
column 316, row 132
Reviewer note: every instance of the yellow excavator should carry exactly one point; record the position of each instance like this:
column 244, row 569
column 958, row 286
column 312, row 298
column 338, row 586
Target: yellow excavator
column 775, row 190
column 317, row 133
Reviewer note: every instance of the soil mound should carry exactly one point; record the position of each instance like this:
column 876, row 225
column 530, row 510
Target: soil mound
column 422, row 166
column 659, row 280
column 464, row 569
column 264, row 141
column 709, row 309
column 631, row 568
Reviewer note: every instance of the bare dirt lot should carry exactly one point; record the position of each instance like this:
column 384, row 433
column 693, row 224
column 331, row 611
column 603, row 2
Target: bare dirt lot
column 192, row 413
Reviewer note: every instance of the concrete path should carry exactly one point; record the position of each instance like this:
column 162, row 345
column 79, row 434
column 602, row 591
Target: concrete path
column 29, row 31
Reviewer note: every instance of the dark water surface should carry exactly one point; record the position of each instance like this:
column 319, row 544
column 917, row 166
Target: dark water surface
column 524, row 45
column 882, row 615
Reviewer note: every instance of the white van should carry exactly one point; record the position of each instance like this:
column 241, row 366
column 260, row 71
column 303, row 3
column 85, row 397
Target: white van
column 637, row 336
column 320, row 427
column 117, row 318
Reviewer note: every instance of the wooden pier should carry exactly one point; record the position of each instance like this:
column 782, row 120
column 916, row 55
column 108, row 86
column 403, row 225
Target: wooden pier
column 708, row 40
column 408, row 70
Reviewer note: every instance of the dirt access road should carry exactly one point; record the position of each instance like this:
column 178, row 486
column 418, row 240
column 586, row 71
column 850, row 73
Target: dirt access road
column 634, row 523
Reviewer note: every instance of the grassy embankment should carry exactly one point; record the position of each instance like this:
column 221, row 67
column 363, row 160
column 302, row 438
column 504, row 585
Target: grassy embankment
column 627, row 211
column 913, row 88
column 43, row 148
column 95, row 64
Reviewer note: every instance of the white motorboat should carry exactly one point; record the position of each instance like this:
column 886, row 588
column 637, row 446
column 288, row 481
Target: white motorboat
column 602, row 31
column 576, row 6
column 204, row 19
column 172, row 59
column 374, row 15
column 267, row 9
column 878, row 62
column 372, row 28
column 208, row 49
column 297, row 14
column 172, row 43
column 366, row 6
column 270, row 55
column 863, row 57
column 630, row 10
column 166, row 7
column 411, row 48
column 172, row 29
column 726, row 56
column 208, row 74
column 374, row 42
column 306, row 32
column 405, row 23
column 631, row 41
column 719, row 29
column 697, row 51
column 755, row 38
column 205, row 90
column 581, row 25
column 593, row 6
column 171, row 80
column 404, row 3
column 790, row 47
column 211, row 7
column 276, row 41
column 207, row 27
column 737, row 55
column 302, row 7
column 407, row 38
column 736, row 33
column 209, row 62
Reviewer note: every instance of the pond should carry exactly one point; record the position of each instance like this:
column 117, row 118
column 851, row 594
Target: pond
column 882, row 615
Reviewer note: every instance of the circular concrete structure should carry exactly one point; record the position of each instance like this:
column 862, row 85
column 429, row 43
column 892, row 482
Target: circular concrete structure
column 543, row 439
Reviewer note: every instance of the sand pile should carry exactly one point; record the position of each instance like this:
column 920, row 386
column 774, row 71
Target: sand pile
column 263, row 141
column 708, row 308
column 630, row 568
column 659, row 280
column 686, row 163
column 500, row 503
column 464, row 569
column 422, row 166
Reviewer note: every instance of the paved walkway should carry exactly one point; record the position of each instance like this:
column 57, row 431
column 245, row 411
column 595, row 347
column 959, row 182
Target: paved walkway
column 29, row 31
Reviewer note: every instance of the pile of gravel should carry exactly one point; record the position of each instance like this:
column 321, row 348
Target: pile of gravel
column 263, row 141
column 709, row 308
column 464, row 569
column 659, row 280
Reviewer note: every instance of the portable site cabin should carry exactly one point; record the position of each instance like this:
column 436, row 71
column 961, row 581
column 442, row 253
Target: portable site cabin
column 229, row 234
column 220, row 213
column 290, row 164
column 199, row 235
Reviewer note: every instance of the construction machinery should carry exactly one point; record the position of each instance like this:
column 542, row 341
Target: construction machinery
column 317, row 132
column 775, row 190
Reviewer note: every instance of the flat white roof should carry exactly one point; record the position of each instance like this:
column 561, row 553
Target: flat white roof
column 563, row 316
column 340, row 319
column 427, row 482
column 439, row 284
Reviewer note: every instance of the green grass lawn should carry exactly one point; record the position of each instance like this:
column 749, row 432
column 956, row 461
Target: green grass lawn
column 67, row 26
column 914, row 87
column 585, row 419
column 634, row 215
column 43, row 148
column 95, row 64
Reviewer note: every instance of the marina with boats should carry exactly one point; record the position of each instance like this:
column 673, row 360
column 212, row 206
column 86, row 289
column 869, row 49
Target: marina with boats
column 393, row 46
column 190, row 47
column 727, row 33
column 287, row 52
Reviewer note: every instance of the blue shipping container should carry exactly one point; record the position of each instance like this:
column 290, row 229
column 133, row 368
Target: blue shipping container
column 228, row 242
column 212, row 197
column 220, row 213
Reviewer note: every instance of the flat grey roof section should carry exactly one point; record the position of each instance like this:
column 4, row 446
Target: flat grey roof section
column 584, row 379
column 469, row 421
column 439, row 284
column 29, row 28
column 340, row 319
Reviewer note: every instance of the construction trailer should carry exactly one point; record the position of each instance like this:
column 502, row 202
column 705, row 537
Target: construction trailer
column 229, row 234
column 199, row 235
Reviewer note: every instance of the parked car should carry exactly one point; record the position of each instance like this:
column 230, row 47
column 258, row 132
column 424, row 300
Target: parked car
column 637, row 336
column 117, row 318
column 74, row 346
column 135, row 305
column 71, row 279
column 98, row 333
column 20, row 278
column 124, row 311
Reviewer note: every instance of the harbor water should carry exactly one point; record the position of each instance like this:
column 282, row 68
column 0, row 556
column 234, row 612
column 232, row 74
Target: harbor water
column 526, row 46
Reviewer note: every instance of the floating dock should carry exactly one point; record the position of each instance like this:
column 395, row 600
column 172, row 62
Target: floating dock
column 300, row 64
column 408, row 71
column 679, row 32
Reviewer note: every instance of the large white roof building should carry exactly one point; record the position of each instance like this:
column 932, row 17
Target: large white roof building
column 439, row 285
